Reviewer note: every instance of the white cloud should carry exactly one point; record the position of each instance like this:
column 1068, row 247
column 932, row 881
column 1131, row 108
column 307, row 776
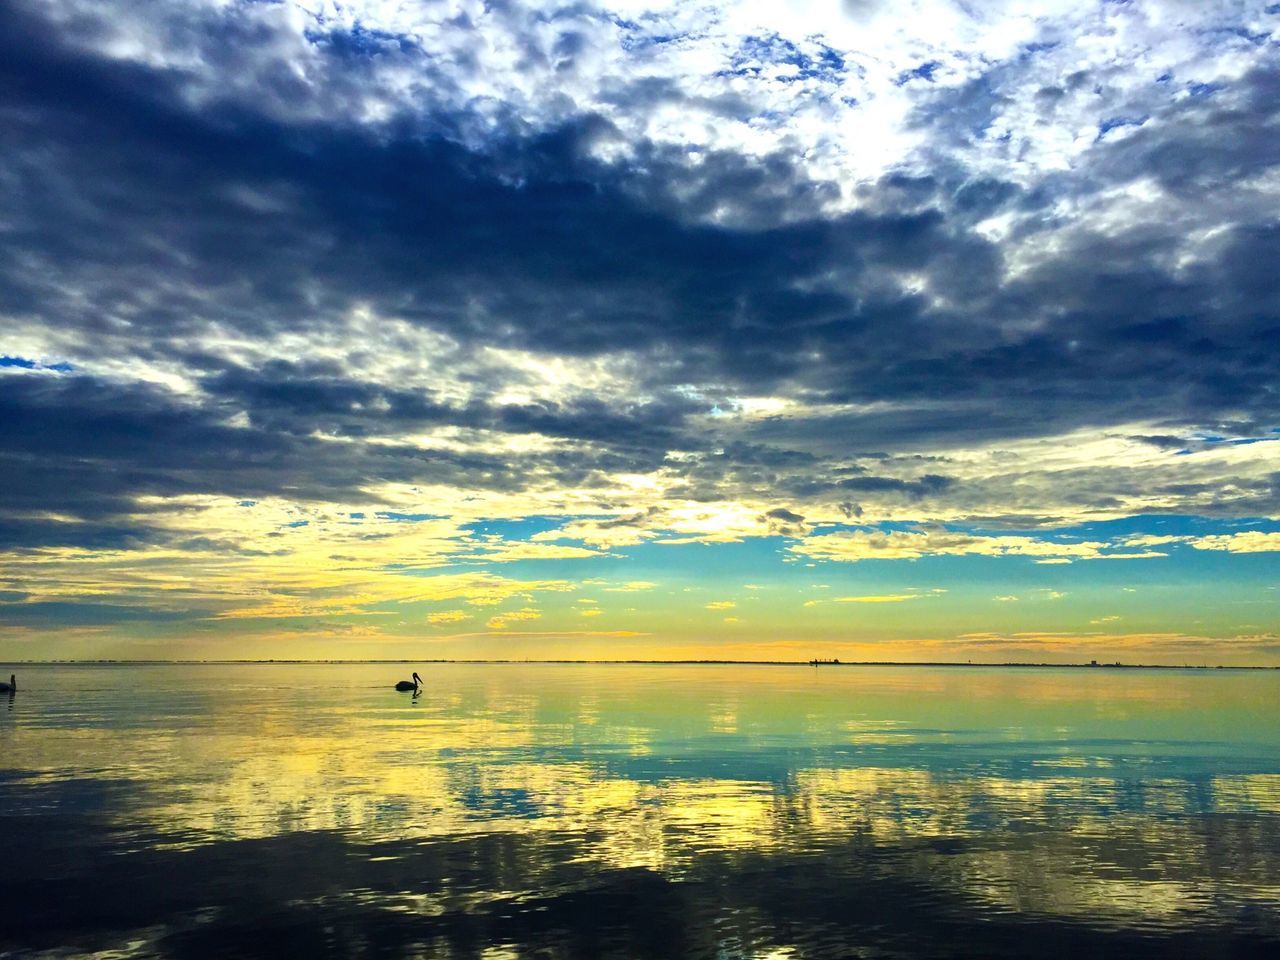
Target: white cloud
column 502, row 620
column 1249, row 541
column 854, row 545
column 448, row 616
column 838, row 82
column 878, row 598
column 1243, row 541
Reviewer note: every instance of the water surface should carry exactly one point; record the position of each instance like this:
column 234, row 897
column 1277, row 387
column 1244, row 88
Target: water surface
column 639, row 811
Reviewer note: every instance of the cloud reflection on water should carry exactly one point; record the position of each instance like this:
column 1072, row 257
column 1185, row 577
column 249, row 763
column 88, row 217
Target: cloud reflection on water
column 699, row 809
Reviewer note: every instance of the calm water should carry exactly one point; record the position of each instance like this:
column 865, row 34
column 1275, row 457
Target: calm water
column 636, row 811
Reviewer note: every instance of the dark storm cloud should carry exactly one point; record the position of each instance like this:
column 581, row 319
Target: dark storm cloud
column 785, row 515
column 137, row 222
column 300, row 399
column 172, row 219
column 84, row 449
column 1162, row 441
column 782, row 522
column 930, row 484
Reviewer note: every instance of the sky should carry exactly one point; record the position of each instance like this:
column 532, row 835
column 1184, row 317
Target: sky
column 914, row 330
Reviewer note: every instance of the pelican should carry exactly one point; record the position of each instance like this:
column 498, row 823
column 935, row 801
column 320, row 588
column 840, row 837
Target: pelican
column 409, row 684
column 12, row 685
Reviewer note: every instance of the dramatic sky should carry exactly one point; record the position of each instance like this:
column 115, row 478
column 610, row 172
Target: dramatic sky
column 923, row 329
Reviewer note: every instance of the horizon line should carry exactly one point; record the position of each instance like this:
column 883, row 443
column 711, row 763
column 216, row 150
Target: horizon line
column 812, row 662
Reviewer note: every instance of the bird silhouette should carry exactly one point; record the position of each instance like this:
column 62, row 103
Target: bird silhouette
column 409, row 684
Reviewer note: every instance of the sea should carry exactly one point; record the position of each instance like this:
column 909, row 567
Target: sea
column 533, row 810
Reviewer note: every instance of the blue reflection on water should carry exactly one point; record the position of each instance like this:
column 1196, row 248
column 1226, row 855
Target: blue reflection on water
column 584, row 811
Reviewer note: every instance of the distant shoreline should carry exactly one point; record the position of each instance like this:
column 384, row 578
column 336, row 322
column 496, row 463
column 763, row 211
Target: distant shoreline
column 826, row 664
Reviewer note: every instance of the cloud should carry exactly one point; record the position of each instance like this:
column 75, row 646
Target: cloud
column 1152, row 540
column 603, row 534
column 448, row 616
column 1242, row 541
column 692, row 274
column 551, row 634
column 783, row 522
column 502, row 620
column 509, row 552
column 854, row 545
column 288, row 405
column 1248, row 541
column 878, row 598
column 874, row 598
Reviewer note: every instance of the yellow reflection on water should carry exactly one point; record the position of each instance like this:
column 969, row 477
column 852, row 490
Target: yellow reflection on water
column 1255, row 792
column 1067, row 789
